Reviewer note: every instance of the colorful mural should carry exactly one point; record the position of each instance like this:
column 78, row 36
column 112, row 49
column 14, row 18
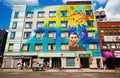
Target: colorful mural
column 77, row 21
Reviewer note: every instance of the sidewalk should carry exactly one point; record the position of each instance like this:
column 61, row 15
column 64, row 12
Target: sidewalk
column 63, row 70
column 83, row 70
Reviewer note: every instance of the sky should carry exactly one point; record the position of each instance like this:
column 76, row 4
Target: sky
column 111, row 7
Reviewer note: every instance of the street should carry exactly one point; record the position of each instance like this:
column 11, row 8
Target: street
column 42, row 74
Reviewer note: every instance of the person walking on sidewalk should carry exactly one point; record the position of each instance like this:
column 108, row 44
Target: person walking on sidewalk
column 80, row 67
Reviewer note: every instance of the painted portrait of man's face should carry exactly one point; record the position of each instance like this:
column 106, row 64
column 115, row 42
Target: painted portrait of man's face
column 73, row 39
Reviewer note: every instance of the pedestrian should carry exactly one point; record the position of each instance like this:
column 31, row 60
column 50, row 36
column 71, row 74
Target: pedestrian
column 19, row 65
column 48, row 65
column 80, row 67
column 24, row 66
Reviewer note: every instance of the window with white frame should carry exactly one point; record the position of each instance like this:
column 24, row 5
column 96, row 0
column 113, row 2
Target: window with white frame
column 63, row 13
column 40, row 24
column 27, row 35
column 25, row 47
column 38, row 47
column 51, row 47
column 64, row 24
column 28, row 25
column 91, row 34
column 39, row 35
column 52, row 13
column 12, row 36
column 16, row 14
column 14, row 25
column 64, row 34
column 41, row 14
column 10, row 47
column 93, row 46
column 52, row 35
column 52, row 24
column 29, row 14
column 64, row 47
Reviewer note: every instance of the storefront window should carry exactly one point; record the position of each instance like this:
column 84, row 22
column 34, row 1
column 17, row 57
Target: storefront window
column 70, row 61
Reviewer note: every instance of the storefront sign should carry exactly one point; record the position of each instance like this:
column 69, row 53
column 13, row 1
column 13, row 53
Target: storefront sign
column 117, row 53
column 108, row 54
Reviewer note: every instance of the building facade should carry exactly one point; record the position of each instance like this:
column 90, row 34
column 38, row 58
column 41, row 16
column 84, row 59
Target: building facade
column 45, row 32
column 109, row 33
column 101, row 16
column 3, row 38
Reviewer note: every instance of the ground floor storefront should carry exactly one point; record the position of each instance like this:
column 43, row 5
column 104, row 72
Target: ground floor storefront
column 56, row 60
column 1, row 59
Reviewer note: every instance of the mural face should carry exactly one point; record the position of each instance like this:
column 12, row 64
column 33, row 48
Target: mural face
column 72, row 21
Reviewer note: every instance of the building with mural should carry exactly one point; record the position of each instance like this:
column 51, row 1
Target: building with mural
column 63, row 35
column 109, row 33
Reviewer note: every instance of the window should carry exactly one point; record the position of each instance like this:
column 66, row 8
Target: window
column 64, row 47
column 64, row 24
column 70, row 62
column 40, row 24
column 52, row 13
column 64, row 34
column 91, row 34
column 16, row 14
column 102, row 31
column 51, row 47
column 39, row 35
column 10, row 47
column 27, row 35
column 52, row 24
column 63, row 13
column 104, row 46
column 25, row 47
column 89, row 12
column 93, row 46
column 118, row 45
column 41, row 14
column 14, row 25
column 108, row 45
column 28, row 25
column 113, row 45
column 38, row 47
column 90, row 23
column 29, row 14
column 12, row 36
column 52, row 35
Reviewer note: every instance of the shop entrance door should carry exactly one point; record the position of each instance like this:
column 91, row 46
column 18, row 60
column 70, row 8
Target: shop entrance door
column 56, row 62
column 85, row 62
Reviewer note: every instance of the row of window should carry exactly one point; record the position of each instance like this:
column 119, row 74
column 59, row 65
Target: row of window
column 51, row 47
column 52, row 34
column 111, row 46
column 52, row 24
column 41, row 14
column 110, row 32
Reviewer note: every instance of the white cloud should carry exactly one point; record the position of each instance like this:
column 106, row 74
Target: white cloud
column 112, row 10
column 74, row 0
column 21, row 2
column 94, row 4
